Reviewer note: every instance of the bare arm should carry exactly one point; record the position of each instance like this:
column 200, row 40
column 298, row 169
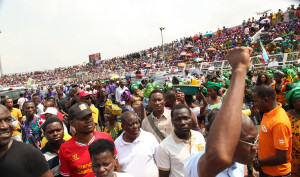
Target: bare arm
column 279, row 158
column 224, row 135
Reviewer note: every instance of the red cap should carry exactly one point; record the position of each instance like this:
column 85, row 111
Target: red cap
column 83, row 94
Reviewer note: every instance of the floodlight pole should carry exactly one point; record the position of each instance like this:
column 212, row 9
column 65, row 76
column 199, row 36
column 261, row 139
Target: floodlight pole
column 162, row 42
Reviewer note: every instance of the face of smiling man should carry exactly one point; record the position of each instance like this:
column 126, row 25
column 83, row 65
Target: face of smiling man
column 6, row 126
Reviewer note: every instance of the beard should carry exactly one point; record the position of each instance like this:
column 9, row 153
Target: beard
column 88, row 132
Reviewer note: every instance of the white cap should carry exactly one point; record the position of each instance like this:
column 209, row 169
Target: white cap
column 51, row 110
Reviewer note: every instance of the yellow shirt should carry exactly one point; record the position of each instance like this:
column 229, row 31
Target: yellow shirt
column 95, row 114
column 16, row 113
column 66, row 138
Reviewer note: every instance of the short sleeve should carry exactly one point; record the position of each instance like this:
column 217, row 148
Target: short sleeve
column 191, row 164
column 64, row 167
column 163, row 158
column 281, row 136
column 37, row 162
column 19, row 114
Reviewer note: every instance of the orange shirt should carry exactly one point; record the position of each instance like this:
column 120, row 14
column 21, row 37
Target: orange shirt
column 280, row 97
column 275, row 133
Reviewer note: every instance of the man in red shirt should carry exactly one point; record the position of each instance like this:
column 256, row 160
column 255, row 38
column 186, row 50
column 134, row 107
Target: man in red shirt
column 74, row 155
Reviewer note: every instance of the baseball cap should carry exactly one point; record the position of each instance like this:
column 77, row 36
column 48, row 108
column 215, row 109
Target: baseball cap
column 51, row 110
column 79, row 110
column 83, row 94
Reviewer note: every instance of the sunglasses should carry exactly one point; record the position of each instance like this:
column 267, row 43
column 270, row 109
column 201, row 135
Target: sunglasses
column 249, row 143
column 86, row 97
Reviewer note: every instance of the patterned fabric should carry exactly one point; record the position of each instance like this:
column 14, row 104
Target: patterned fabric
column 114, row 133
column 280, row 97
column 295, row 123
column 32, row 132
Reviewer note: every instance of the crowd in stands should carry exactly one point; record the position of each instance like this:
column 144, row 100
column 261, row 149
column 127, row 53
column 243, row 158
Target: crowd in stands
column 125, row 128
column 209, row 47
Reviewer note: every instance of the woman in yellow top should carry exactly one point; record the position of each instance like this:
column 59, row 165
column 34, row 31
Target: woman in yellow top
column 293, row 99
column 112, row 126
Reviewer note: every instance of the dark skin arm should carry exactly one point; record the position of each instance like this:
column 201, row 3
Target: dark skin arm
column 224, row 135
column 47, row 174
column 279, row 158
column 163, row 173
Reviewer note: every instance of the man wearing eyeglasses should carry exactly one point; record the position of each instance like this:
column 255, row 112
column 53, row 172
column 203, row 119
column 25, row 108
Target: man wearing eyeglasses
column 227, row 142
column 275, row 135
column 85, row 97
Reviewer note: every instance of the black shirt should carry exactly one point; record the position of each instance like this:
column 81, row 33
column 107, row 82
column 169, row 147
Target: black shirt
column 22, row 160
column 73, row 101
column 63, row 104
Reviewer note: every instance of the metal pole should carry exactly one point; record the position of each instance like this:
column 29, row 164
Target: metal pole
column 162, row 42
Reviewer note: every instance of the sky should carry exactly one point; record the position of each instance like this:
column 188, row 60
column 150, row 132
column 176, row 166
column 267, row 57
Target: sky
column 39, row 34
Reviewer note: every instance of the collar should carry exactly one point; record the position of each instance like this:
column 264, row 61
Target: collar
column 81, row 144
column 35, row 117
column 274, row 111
column 165, row 114
column 178, row 140
column 137, row 140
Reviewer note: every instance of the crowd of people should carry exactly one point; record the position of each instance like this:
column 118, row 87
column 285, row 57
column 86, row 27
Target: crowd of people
column 120, row 128
column 279, row 35
column 243, row 121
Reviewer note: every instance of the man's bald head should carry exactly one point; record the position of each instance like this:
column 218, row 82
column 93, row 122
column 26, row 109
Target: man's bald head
column 3, row 110
column 127, row 115
column 50, row 103
column 247, row 125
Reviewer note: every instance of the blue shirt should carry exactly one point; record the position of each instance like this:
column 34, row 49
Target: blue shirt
column 191, row 163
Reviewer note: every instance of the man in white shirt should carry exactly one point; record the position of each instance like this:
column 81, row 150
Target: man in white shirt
column 177, row 147
column 21, row 101
column 39, row 106
column 246, row 30
column 119, row 91
column 136, row 148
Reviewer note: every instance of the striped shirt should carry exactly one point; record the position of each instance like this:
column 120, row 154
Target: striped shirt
column 52, row 159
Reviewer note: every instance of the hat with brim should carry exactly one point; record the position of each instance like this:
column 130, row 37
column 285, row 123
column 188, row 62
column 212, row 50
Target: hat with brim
column 79, row 110
column 83, row 94
column 51, row 110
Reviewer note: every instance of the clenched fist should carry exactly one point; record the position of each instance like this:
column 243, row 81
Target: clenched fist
column 239, row 58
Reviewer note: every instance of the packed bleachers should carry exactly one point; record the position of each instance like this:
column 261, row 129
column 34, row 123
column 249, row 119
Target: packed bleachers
column 278, row 32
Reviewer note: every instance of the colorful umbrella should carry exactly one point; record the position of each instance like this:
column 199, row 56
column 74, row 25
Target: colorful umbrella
column 211, row 49
column 188, row 46
column 181, row 64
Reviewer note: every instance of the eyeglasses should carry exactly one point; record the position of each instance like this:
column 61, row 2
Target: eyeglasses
column 251, row 144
